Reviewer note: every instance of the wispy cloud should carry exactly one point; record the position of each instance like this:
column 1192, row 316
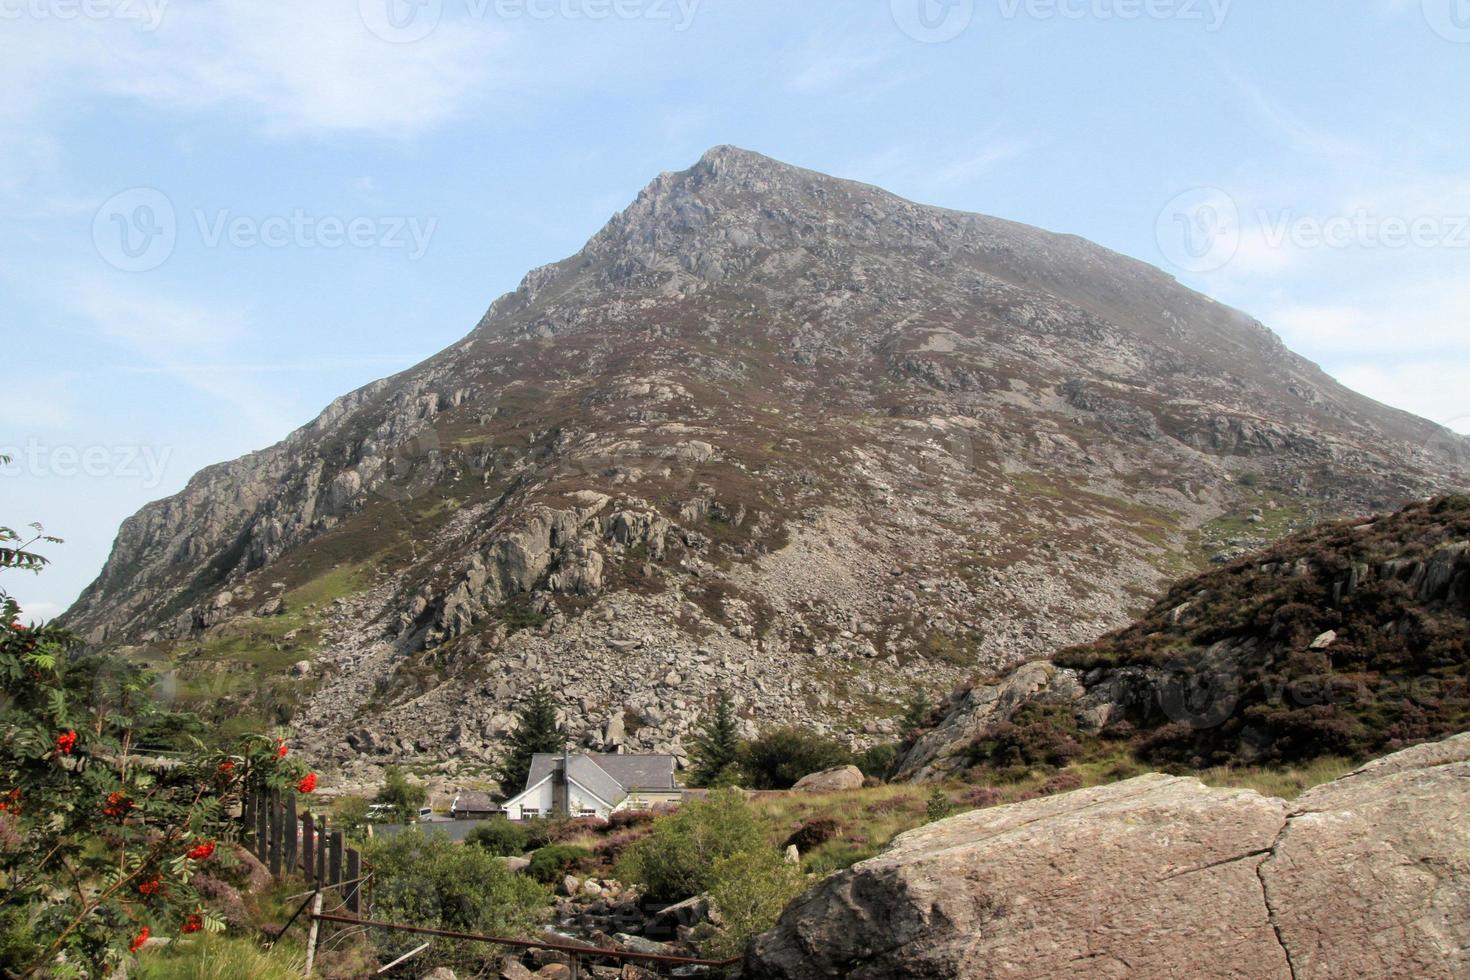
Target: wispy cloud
column 313, row 69
column 906, row 169
column 154, row 325
column 823, row 66
column 1278, row 119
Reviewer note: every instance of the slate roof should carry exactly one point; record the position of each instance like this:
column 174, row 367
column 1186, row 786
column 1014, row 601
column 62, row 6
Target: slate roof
column 611, row 777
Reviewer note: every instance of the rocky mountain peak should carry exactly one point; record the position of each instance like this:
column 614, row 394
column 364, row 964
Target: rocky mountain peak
column 769, row 429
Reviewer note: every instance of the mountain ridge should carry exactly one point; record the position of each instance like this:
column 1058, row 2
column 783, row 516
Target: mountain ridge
column 766, row 425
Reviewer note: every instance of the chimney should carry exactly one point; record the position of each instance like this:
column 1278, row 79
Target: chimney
column 560, row 795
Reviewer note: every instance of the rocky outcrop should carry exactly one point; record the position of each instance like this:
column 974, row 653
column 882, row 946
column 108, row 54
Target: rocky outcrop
column 1161, row 876
column 939, row 752
column 1348, row 639
column 838, row 780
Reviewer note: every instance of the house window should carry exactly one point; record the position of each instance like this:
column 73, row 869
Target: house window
column 528, row 813
column 586, row 812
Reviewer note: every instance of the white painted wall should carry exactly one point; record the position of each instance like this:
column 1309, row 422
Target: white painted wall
column 539, row 799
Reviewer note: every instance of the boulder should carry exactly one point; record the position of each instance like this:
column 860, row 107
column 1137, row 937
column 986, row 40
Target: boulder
column 1371, row 877
column 511, row 968
column 1161, row 876
column 835, row 780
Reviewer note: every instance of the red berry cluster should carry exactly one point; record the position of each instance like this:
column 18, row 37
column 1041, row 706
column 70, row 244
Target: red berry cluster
column 117, row 805
column 200, row 851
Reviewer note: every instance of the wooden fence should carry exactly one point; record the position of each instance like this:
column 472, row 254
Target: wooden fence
column 288, row 843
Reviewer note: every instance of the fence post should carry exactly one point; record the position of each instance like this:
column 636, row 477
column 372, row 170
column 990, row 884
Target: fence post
column 321, row 852
column 289, row 827
column 262, row 837
column 276, row 835
column 354, row 876
column 247, row 811
column 335, row 877
column 308, row 850
column 316, row 924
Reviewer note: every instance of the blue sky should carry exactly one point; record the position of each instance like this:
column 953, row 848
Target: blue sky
column 220, row 214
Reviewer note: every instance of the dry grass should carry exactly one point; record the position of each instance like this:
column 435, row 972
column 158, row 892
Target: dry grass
column 871, row 818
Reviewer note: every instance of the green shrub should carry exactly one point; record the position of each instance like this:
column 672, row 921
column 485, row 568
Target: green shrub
column 501, row 838
column 781, row 756
column 748, row 890
column 551, row 863
column 879, row 761
column 402, row 796
column 427, row 880
column 677, row 860
column 938, row 805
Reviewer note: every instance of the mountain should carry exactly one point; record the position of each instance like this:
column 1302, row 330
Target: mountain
column 1347, row 640
column 768, row 429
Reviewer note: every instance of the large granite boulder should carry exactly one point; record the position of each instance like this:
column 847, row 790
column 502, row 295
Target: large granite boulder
column 1161, row 876
column 838, row 780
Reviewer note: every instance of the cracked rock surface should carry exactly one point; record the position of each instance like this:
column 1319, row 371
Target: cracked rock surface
column 1161, row 876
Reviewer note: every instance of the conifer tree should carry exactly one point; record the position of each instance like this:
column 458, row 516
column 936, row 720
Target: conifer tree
column 717, row 746
column 536, row 731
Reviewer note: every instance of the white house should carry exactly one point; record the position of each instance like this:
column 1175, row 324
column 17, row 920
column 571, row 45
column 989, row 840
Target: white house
column 586, row 785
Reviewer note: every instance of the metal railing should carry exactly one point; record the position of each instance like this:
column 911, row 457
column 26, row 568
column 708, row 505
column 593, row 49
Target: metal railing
column 573, row 951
